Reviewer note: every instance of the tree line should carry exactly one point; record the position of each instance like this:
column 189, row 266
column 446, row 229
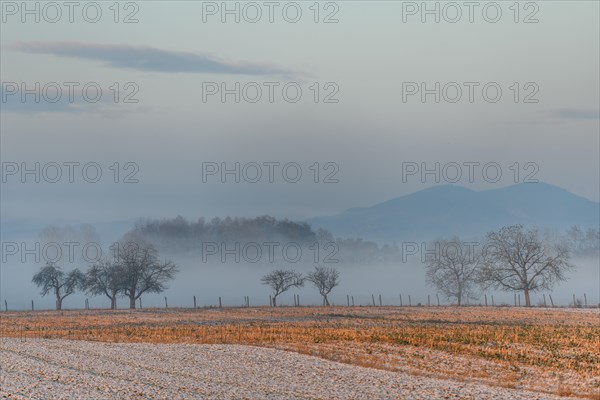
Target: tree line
column 511, row 259
column 180, row 235
column 133, row 269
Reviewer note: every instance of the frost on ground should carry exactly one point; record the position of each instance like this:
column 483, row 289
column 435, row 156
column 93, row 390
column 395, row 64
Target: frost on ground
column 62, row 369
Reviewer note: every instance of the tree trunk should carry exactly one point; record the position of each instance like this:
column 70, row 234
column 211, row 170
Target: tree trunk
column 132, row 302
column 58, row 303
column 274, row 301
column 113, row 302
column 325, row 301
column 527, row 299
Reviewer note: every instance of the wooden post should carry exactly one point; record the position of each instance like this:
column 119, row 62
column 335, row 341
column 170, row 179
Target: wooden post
column 585, row 300
column 194, row 301
column 493, row 301
column 515, row 299
column 31, row 305
column 485, row 295
column 438, row 298
column 428, row 302
column 140, row 303
column 373, row 298
column 551, row 302
column 248, row 301
column 220, row 304
column 5, row 305
column 348, row 299
column 400, row 299
column 380, row 303
column 574, row 301
column 166, row 304
column 409, row 301
column 352, row 297
column 298, row 300
column 270, row 301
column 519, row 297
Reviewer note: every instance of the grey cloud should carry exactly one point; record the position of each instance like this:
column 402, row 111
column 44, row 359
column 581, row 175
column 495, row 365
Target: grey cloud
column 144, row 58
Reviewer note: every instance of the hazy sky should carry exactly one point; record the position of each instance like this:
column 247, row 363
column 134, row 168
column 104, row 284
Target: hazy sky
column 364, row 61
column 366, row 68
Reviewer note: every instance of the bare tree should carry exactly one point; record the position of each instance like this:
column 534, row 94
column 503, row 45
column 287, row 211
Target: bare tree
column 53, row 279
column 324, row 279
column 105, row 277
column 453, row 269
column 142, row 272
column 282, row 280
column 519, row 260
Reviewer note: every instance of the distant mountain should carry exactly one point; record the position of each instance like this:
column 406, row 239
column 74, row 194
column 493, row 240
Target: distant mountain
column 447, row 210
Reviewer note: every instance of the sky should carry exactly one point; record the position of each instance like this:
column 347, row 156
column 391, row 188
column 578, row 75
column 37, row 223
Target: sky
column 163, row 132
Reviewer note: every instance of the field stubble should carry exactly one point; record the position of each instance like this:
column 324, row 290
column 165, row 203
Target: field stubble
column 545, row 350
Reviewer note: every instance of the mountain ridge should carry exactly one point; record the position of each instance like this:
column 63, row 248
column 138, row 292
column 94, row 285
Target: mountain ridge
column 452, row 209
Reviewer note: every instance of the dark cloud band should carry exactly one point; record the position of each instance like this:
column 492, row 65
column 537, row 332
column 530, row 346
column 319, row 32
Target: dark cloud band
column 145, row 58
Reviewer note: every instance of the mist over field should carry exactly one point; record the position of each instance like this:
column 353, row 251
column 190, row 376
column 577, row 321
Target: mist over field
column 227, row 257
column 300, row 199
column 377, row 155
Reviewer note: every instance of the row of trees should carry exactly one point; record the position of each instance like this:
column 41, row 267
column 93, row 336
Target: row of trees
column 511, row 259
column 134, row 269
column 322, row 278
column 181, row 235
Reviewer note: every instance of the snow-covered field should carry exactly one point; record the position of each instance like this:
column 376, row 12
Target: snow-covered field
column 62, row 369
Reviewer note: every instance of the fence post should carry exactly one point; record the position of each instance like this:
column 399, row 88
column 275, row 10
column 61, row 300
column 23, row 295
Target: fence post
column 373, row 298
column 5, row 305
column 270, row 301
column 400, row 299
column 585, row 300
column 438, row 298
column 515, row 299
column 519, row 297
column 140, row 303
column 409, row 301
column 31, row 305
column 493, row 301
column 194, row 301
column 428, row 302
column 551, row 301
column 380, row 303
column 348, row 299
column 574, row 301
column 166, row 304
column 485, row 295
column 352, row 297
column 220, row 304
